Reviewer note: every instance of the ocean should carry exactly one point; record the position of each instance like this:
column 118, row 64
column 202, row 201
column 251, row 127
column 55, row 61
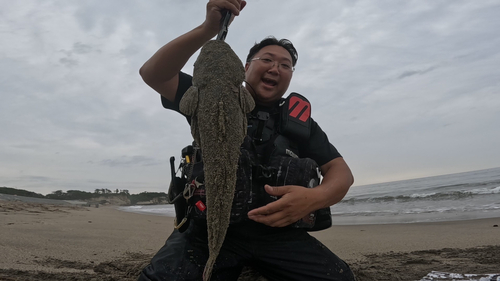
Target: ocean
column 461, row 196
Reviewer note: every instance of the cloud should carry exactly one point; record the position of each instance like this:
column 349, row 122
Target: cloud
column 130, row 161
column 415, row 72
column 402, row 88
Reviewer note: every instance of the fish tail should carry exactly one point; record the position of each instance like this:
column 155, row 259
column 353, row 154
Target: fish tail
column 207, row 272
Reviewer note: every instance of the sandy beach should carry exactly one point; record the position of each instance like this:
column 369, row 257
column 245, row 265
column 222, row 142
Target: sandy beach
column 54, row 242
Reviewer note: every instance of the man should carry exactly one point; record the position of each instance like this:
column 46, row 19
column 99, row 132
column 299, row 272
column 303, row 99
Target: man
column 264, row 239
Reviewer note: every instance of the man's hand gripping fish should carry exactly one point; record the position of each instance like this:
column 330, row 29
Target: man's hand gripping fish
column 218, row 103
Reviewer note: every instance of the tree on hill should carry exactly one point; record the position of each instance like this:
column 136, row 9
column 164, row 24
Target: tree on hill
column 158, row 197
column 70, row 195
column 146, row 196
column 20, row 192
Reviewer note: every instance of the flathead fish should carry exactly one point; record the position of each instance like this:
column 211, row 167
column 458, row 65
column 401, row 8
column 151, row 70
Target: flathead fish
column 218, row 103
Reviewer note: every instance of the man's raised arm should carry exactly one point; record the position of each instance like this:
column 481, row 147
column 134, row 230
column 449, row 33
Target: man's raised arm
column 161, row 71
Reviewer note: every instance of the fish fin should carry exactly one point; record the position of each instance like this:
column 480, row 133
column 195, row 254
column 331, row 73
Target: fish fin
column 247, row 102
column 195, row 130
column 189, row 102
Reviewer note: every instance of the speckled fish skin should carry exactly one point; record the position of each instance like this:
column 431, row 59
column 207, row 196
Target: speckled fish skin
column 218, row 103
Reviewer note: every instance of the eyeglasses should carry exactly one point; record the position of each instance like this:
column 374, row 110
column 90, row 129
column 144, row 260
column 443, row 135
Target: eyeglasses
column 286, row 67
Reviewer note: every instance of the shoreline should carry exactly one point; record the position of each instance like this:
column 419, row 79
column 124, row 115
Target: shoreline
column 69, row 241
column 343, row 220
column 338, row 220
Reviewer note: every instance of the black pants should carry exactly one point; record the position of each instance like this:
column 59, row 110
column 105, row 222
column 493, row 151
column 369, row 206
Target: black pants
column 277, row 253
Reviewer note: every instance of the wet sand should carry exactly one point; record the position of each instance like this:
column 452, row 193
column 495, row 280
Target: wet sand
column 60, row 242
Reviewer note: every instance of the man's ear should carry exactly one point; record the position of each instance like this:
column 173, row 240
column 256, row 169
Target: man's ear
column 247, row 65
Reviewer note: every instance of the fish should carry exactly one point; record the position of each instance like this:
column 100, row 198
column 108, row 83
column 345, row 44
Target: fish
column 218, row 104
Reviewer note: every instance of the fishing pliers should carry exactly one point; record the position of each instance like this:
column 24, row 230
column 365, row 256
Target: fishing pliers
column 224, row 26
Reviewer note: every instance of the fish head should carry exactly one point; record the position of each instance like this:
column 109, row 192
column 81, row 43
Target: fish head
column 218, row 62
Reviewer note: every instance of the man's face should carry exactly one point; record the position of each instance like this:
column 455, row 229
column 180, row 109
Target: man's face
column 267, row 82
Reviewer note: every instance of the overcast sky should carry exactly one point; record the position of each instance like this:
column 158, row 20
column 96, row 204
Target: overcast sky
column 403, row 89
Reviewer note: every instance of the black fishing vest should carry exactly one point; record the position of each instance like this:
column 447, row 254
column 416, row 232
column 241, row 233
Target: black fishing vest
column 269, row 155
